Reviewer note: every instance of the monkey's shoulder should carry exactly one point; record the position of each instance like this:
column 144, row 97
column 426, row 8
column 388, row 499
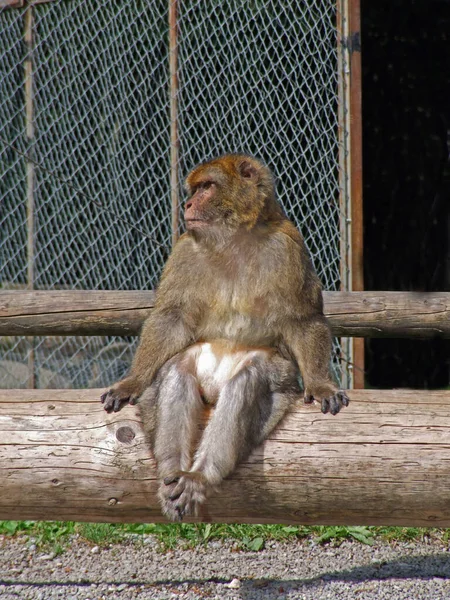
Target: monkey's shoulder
column 286, row 247
column 295, row 273
column 184, row 245
column 180, row 259
column 286, row 230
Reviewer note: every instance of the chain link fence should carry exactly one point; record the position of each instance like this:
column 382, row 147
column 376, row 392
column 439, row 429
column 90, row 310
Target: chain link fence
column 85, row 123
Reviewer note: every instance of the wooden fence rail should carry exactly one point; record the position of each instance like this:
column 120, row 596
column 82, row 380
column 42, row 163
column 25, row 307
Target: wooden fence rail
column 383, row 460
column 358, row 314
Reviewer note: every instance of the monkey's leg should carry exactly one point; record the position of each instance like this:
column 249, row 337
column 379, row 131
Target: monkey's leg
column 249, row 406
column 176, row 428
column 311, row 346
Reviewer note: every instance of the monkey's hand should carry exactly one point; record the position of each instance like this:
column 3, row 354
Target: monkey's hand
column 126, row 391
column 331, row 400
column 182, row 494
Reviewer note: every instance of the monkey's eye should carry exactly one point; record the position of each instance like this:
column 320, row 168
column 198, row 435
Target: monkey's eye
column 204, row 185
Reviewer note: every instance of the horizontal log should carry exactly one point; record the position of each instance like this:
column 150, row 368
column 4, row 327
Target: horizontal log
column 384, row 460
column 74, row 312
column 359, row 314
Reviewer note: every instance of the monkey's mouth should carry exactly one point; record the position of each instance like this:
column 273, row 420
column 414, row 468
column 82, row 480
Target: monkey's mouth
column 194, row 223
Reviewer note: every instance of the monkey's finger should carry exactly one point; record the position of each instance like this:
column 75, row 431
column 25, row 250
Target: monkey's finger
column 325, row 405
column 308, row 399
column 343, row 398
column 133, row 400
column 117, row 403
column 108, row 402
column 334, row 405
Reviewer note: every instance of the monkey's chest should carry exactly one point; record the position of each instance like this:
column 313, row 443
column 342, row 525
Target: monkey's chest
column 239, row 315
column 236, row 327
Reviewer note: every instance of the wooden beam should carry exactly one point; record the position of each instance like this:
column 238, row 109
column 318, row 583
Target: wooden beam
column 173, row 101
column 11, row 3
column 356, row 173
column 74, row 312
column 360, row 314
column 21, row 3
column 384, row 460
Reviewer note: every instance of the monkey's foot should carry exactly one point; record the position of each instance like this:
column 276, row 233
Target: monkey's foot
column 126, row 391
column 331, row 402
column 182, row 494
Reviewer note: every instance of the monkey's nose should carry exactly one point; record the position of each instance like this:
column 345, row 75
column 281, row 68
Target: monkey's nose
column 187, row 205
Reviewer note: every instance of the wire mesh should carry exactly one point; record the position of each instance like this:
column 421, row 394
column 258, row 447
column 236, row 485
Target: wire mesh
column 258, row 77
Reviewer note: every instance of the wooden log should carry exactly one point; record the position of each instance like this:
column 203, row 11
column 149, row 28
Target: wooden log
column 77, row 312
column 384, row 460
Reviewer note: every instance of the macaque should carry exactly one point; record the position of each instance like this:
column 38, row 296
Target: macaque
column 238, row 316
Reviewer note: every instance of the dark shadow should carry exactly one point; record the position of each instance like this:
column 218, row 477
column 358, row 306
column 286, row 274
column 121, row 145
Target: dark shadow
column 406, row 172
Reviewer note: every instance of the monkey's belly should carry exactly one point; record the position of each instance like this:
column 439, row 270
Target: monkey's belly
column 217, row 362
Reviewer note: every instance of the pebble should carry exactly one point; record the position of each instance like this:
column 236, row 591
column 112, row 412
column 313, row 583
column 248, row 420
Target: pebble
column 46, row 557
column 296, row 570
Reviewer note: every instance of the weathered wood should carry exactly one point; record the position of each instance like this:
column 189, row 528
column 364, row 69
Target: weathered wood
column 360, row 314
column 11, row 3
column 21, row 3
column 74, row 312
column 383, row 460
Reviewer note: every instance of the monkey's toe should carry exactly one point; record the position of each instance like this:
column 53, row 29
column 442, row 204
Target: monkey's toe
column 166, row 489
column 171, row 512
column 182, row 494
column 171, row 479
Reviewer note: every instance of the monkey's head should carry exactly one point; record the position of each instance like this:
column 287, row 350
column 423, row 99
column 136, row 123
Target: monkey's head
column 230, row 193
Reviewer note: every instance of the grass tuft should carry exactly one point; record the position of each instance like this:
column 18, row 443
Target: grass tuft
column 56, row 535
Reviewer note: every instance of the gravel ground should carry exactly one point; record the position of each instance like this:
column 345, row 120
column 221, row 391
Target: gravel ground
column 294, row 570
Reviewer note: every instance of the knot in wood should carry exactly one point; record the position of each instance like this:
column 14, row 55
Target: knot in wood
column 125, row 435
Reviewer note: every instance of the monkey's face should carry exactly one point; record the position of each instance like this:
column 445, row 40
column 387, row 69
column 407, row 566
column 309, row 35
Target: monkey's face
column 202, row 209
column 228, row 194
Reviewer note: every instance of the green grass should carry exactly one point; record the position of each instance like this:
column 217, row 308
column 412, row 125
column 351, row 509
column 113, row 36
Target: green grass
column 54, row 536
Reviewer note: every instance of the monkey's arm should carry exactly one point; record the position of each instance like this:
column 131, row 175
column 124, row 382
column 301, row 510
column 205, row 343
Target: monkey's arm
column 168, row 330
column 303, row 328
column 163, row 336
column 309, row 341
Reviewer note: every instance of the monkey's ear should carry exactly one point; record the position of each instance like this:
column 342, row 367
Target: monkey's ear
column 247, row 170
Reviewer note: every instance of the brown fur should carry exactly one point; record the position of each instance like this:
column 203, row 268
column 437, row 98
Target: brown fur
column 240, row 278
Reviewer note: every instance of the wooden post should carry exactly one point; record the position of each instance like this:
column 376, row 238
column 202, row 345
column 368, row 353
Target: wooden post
column 350, row 161
column 354, row 47
column 383, row 460
column 174, row 142
column 29, row 117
